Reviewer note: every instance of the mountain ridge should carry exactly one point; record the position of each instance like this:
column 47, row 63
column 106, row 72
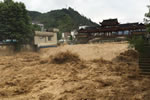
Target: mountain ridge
column 63, row 19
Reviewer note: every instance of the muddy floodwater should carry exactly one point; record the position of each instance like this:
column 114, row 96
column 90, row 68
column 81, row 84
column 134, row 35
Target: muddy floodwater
column 107, row 71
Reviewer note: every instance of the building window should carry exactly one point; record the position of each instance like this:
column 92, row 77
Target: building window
column 126, row 32
column 120, row 33
column 49, row 38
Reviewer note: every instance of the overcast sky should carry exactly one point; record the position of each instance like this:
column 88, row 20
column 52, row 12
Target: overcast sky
column 96, row 10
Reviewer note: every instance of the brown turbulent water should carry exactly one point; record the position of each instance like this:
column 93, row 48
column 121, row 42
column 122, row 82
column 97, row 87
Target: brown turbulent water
column 77, row 74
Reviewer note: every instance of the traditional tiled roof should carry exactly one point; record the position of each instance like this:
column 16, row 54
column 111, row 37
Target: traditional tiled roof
column 110, row 22
column 119, row 27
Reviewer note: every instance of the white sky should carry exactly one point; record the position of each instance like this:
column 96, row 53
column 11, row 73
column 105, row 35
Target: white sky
column 96, row 10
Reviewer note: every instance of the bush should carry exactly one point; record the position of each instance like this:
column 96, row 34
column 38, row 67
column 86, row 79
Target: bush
column 137, row 42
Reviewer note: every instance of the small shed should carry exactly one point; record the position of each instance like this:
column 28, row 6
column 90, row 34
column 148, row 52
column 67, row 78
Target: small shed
column 45, row 39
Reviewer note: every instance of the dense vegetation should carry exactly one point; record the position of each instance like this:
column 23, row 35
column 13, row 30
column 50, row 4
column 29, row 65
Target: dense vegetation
column 147, row 19
column 138, row 42
column 64, row 19
column 15, row 24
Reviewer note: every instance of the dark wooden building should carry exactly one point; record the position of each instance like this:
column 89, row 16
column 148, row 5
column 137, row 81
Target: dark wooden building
column 110, row 29
column 109, row 23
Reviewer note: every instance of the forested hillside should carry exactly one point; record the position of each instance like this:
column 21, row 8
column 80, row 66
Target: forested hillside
column 63, row 19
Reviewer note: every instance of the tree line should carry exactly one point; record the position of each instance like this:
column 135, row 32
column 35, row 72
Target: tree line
column 15, row 23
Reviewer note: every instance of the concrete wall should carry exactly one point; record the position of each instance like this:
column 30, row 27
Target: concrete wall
column 8, row 49
column 42, row 39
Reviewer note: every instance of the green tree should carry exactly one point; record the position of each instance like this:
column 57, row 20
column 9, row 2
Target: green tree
column 36, row 27
column 138, row 42
column 147, row 19
column 59, row 35
column 15, row 23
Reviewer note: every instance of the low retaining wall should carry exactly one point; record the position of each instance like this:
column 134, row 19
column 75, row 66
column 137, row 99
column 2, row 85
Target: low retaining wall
column 8, row 49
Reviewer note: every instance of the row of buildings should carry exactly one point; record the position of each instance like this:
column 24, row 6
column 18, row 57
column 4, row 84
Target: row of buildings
column 108, row 29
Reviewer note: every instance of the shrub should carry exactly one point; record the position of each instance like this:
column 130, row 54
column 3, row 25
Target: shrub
column 137, row 42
